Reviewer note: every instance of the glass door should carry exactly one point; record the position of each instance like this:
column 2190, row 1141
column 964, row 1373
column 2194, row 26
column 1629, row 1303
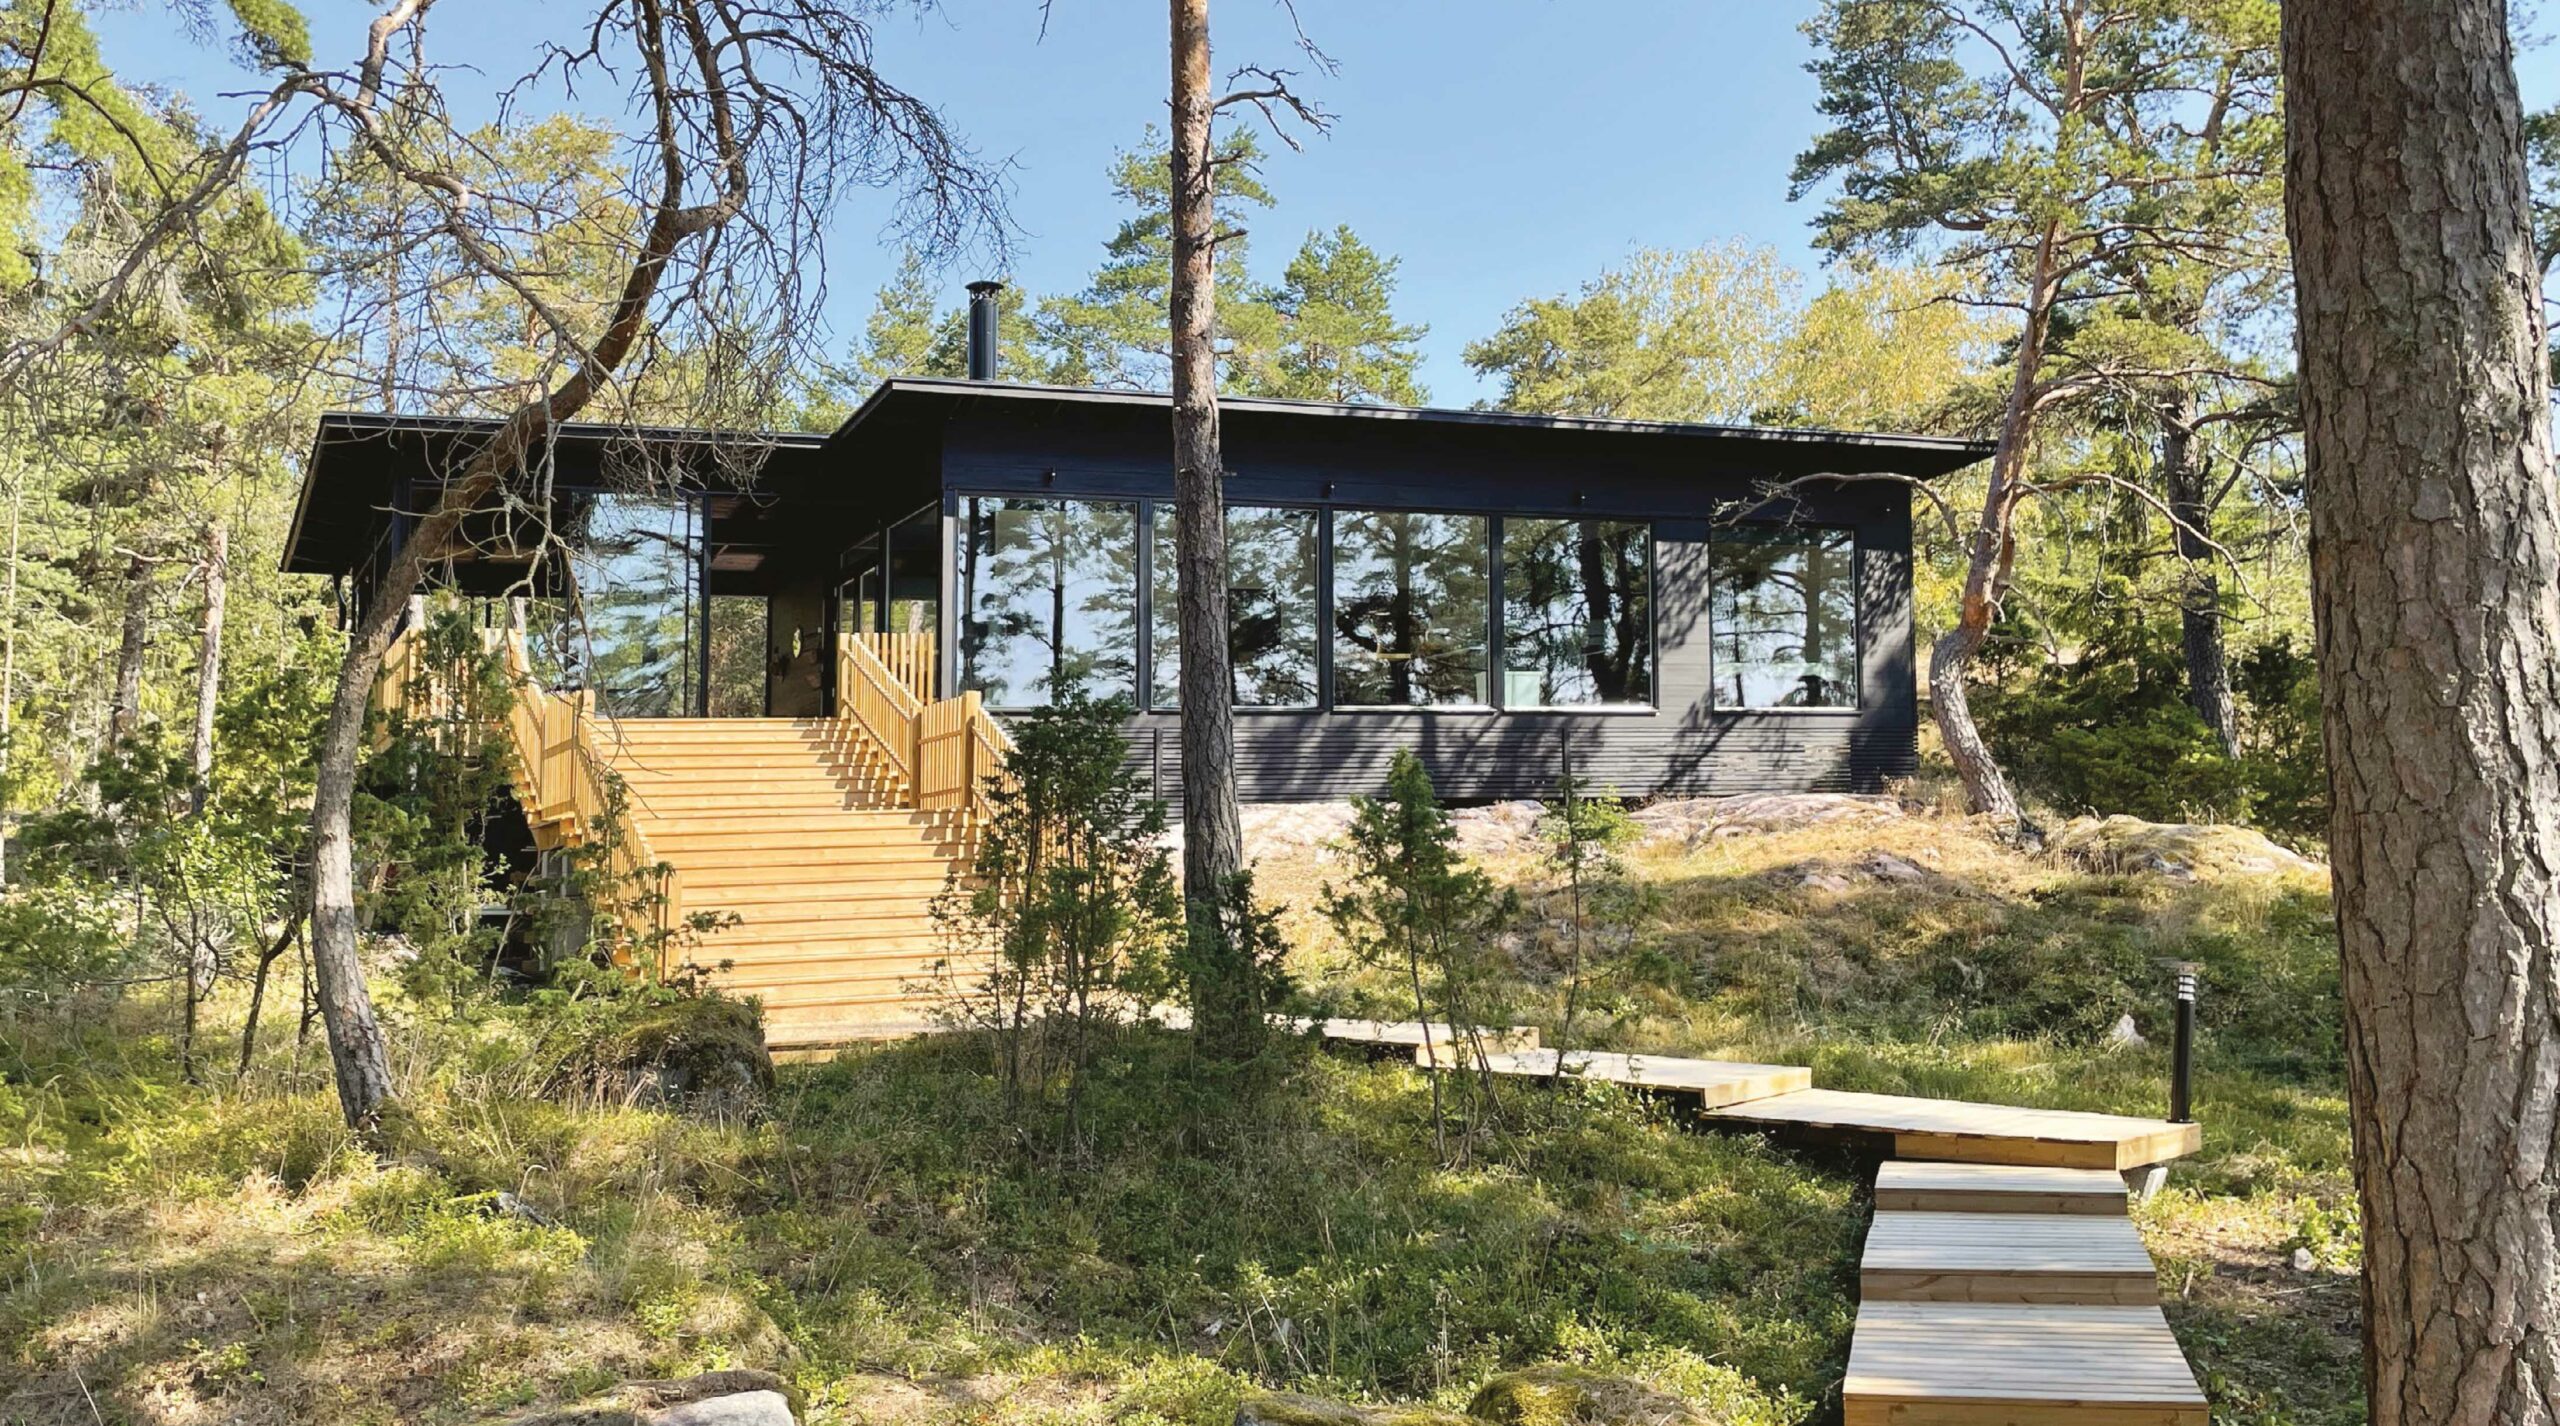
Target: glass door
column 636, row 629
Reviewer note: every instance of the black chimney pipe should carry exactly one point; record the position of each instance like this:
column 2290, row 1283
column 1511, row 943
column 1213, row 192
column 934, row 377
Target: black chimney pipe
column 982, row 330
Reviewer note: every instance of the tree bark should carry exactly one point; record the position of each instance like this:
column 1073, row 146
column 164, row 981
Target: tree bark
column 1226, row 1017
column 2200, row 588
column 2435, row 532
column 124, row 710
column 356, row 1047
column 217, row 585
column 1991, row 554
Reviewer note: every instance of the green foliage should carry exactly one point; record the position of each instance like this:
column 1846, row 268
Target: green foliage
column 1412, row 905
column 1585, row 829
column 273, row 32
column 1072, row 888
column 1690, row 336
column 2110, row 730
column 1339, row 337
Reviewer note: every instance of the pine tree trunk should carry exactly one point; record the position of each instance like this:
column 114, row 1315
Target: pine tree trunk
column 2200, row 589
column 1227, row 1020
column 2435, row 532
column 217, row 585
column 1990, row 557
column 124, row 710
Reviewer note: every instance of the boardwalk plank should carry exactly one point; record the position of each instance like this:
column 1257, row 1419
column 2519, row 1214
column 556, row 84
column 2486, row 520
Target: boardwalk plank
column 1959, row 1364
column 1997, row 1188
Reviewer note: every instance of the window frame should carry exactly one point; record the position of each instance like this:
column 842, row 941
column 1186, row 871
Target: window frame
column 1493, row 610
column 1857, row 622
column 1652, row 702
column 1323, row 609
column 956, row 615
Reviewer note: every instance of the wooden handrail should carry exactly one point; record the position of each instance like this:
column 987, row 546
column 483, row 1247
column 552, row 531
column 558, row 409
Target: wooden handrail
column 908, row 659
column 559, row 773
column 945, row 755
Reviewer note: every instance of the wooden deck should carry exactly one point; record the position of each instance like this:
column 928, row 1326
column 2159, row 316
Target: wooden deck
column 1711, row 1083
column 1949, row 1364
column 1943, row 1129
column 1906, row 1185
column 2006, row 1257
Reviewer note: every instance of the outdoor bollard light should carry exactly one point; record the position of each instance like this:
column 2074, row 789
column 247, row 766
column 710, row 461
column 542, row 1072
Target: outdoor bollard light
column 2182, row 1051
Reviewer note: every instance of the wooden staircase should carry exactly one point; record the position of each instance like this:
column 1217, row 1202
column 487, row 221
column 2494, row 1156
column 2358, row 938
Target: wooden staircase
column 794, row 828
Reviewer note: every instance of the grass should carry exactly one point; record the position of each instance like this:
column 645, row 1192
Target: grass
column 878, row 1233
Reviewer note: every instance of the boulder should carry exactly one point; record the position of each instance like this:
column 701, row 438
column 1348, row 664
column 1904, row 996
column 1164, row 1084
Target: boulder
column 698, row 1051
column 722, row 1398
column 1288, row 1408
column 1564, row 1395
column 2177, row 851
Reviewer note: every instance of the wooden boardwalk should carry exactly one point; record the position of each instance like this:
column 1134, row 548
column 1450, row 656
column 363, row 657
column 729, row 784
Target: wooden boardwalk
column 2006, row 1257
column 1906, row 1185
column 1946, row 1130
column 2003, row 1283
column 1968, row 1364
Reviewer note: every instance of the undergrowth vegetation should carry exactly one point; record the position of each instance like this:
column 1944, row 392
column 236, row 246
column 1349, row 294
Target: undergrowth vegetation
column 876, row 1228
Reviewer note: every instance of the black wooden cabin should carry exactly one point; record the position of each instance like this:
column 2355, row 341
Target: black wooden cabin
column 1681, row 608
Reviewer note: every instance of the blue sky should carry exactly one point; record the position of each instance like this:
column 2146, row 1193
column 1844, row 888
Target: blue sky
column 1501, row 148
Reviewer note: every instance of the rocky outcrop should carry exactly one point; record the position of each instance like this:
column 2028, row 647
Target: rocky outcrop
column 2180, row 851
column 723, row 1398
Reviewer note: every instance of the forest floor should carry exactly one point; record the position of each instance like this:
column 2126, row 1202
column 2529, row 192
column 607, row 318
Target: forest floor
column 882, row 1233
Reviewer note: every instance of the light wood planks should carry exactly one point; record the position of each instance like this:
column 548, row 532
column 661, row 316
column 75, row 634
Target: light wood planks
column 1713, row 1083
column 1947, row 1364
column 1903, row 1184
column 1980, row 1133
column 2006, row 1257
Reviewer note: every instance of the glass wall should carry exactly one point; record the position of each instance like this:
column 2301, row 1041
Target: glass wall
column 1048, row 591
column 740, row 646
column 1783, row 609
column 1577, row 612
column 635, row 564
column 1272, row 558
column 1410, row 615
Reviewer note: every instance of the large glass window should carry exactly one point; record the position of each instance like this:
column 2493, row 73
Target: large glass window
column 1784, row 609
column 1577, row 612
column 1410, row 615
column 1271, row 607
column 740, row 650
column 635, row 563
column 1048, row 592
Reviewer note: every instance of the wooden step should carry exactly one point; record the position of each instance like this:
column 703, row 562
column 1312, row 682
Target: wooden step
column 916, row 890
column 1943, row 1364
column 766, row 925
column 863, row 971
column 799, row 869
column 751, row 823
column 2006, row 1257
column 1927, row 1187
column 1978, row 1133
column 852, row 827
column 699, row 862
column 684, row 800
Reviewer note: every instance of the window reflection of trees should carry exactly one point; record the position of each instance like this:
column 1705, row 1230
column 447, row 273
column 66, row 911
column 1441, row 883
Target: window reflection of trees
column 1048, row 594
column 1577, row 612
column 1784, row 610
column 634, row 618
column 1271, row 607
column 1410, row 613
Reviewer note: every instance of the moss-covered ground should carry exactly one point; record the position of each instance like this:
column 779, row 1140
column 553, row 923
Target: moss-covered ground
column 881, row 1234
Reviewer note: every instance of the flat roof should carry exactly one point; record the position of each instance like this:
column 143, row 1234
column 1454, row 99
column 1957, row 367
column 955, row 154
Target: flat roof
column 356, row 456
column 949, row 388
